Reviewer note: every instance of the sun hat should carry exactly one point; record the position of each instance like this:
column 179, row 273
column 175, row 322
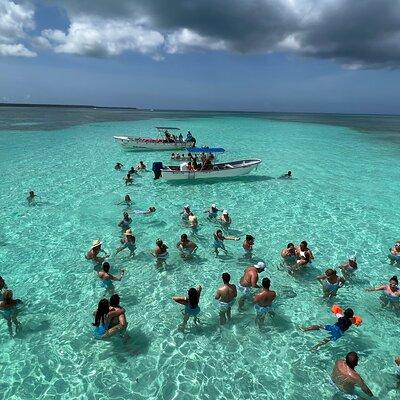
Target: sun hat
column 260, row 265
column 96, row 243
column 225, row 212
column 128, row 232
column 352, row 258
column 213, row 206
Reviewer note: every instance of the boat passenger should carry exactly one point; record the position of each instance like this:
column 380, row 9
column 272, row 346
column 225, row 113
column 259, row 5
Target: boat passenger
column 190, row 166
column 128, row 179
column 330, row 282
column 118, row 166
column 288, row 175
column 208, row 164
column 289, row 254
column 95, row 250
column 160, row 253
column 106, row 279
column 263, row 301
column 391, row 292
column 196, row 165
column 225, row 296
column 212, row 212
column 31, row 197
column 225, row 219
column 189, row 137
column 394, row 255
column 9, row 309
column 219, row 241
column 186, row 247
column 345, row 377
column 125, row 223
column 180, row 137
column 128, row 242
column 248, row 246
column 349, row 267
column 191, row 303
column 203, row 158
column 248, row 282
column 336, row 330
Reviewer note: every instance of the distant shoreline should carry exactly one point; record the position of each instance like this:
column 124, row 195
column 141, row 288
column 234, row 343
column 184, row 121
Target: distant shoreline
column 64, row 106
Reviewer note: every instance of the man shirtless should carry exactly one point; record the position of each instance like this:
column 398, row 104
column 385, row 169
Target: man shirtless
column 263, row 301
column 225, row 295
column 346, row 378
column 118, row 324
column 248, row 281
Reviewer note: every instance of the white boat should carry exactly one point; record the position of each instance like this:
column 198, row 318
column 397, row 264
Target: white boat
column 217, row 171
column 166, row 141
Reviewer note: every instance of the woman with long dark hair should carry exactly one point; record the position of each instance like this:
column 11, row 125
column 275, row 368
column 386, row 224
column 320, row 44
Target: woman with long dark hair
column 191, row 303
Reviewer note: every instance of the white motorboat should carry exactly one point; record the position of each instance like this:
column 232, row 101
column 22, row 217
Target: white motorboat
column 217, row 171
column 167, row 140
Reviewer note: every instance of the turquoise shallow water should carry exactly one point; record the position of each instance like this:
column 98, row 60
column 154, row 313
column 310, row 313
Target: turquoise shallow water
column 344, row 199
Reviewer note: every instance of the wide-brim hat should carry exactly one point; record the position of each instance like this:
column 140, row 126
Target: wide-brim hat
column 128, row 232
column 96, row 243
column 225, row 212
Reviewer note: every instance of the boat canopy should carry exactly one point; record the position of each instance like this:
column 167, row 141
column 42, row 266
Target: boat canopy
column 167, row 128
column 205, row 149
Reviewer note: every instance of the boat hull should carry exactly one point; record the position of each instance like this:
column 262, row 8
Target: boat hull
column 220, row 171
column 136, row 144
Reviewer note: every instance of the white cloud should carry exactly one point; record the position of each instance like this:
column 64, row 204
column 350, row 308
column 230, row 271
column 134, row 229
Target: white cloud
column 98, row 37
column 15, row 19
column 185, row 39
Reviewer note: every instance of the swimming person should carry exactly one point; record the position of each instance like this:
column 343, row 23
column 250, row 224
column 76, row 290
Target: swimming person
column 249, row 281
column 289, row 254
column 394, row 255
column 102, row 319
column 336, row 330
column 118, row 166
column 128, row 241
column 248, row 246
column 226, row 296
column 128, row 179
column 3, row 286
column 186, row 247
column 219, row 241
column 127, row 201
column 160, row 252
column 391, row 292
column 185, row 214
column 118, row 323
column 349, row 267
column 330, row 282
column 345, row 377
column 95, row 250
column 263, row 301
column 141, row 166
column 288, row 175
column 31, row 197
column 212, row 212
column 191, row 303
column 225, row 219
column 9, row 310
column 125, row 223
column 193, row 222
column 107, row 279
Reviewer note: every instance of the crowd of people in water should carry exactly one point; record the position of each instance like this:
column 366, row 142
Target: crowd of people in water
column 110, row 317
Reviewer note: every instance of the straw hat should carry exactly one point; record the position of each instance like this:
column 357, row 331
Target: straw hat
column 128, row 232
column 96, row 243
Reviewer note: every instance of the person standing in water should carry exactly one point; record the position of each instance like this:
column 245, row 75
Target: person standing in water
column 248, row 246
column 127, row 201
column 3, row 286
column 212, row 212
column 345, row 377
column 289, row 255
column 191, row 303
column 193, row 223
column 391, row 292
column 330, row 282
column 31, row 197
column 249, row 281
column 225, row 220
column 118, row 166
column 349, row 267
column 107, row 279
column 128, row 179
column 263, row 301
column 185, row 214
column 125, row 223
column 128, row 241
column 226, row 296
column 186, row 247
column 118, row 323
column 103, row 317
column 141, row 166
column 160, row 253
column 93, row 253
column 9, row 310
column 219, row 241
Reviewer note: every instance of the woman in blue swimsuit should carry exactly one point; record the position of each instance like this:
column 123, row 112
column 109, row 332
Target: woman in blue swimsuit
column 9, row 308
column 102, row 319
column 191, row 303
column 330, row 282
column 106, row 279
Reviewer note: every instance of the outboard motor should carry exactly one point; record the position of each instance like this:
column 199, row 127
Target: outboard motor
column 157, row 166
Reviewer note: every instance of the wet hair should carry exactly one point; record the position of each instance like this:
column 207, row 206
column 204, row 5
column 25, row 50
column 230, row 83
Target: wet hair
column 330, row 272
column 266, row 283
column 152, row 208
column 159, row 242
column 102, row 310
column 348, row 313
column 226, row 277
column 141, row 162
column 290, row 245
column 114, row 300
column 249, row 237
column 193, row 297
column 128, row 175
column 31, row 192
column 7, row 296
column 394, row 278
column 304, row 243
column 352, row 359
column 126, row 214
column 184, row 236
column 105, row 266
column 127, row 197
column 218, row 231
column 289, row 172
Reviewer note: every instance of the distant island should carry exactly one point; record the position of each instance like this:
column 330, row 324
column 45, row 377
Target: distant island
column 63, row 106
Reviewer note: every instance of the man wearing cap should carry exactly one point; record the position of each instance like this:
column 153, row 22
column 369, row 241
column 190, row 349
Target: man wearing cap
column 128, row 241
column 346, row 378
column 225, row 219
column 248, row 281
column 93, row 253
column 263, row 301
column 212, row 212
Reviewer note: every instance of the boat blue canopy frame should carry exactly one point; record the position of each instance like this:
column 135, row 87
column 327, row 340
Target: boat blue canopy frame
column 205, row 149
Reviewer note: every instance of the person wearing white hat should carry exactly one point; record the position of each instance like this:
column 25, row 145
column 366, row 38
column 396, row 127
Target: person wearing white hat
column 128, row 241
column 225, row 219
column 212, row 212
column 248, row 282
column 349, row 267
column 95, row 250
